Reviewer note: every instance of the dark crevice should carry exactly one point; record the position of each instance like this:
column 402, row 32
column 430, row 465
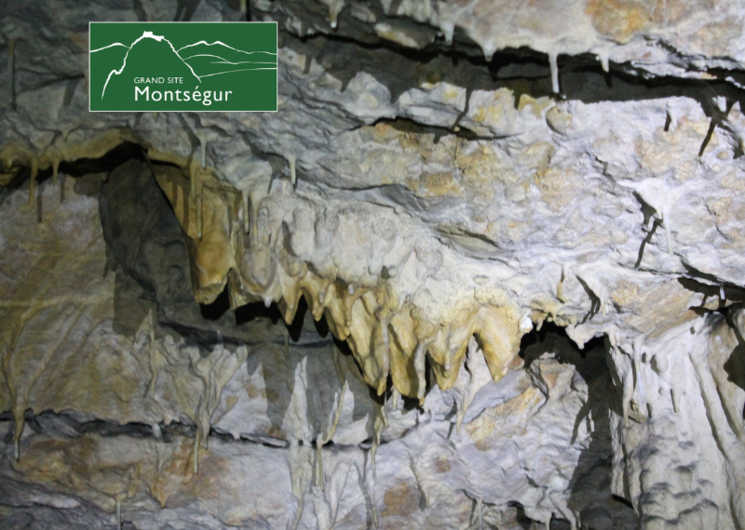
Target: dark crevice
column 531, row 344
column 79, row 168
column 69, row 425
column 645, row 241
column 252, row 311
column 707, row 138
column 258, row 439
column 217, row 308
column 596, row 303
column 735, row 365
column 593, row 471
column 712, row 288
column 523, row 521
column 407, row 125
column 108, row 429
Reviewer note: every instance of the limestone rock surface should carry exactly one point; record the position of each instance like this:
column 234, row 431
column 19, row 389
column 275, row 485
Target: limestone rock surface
column 485, row 267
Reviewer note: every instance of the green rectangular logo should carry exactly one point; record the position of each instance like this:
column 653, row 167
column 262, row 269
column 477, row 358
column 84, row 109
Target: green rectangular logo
column 182, row 66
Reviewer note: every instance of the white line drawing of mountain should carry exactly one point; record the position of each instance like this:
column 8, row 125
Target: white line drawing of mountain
column 101, row 61
column 200, row 54
column 145, row 35
column 220, row 43
column 232, row 71
column 244, row 62
column 110, row 46
column 225, row 61
column 247, row 53
column 211, row 64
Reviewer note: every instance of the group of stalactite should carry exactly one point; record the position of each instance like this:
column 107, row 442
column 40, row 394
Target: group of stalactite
column 236, row 241
column 447, row 27
column 233, row 240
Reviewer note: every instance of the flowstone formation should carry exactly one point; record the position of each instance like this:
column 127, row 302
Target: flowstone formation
column 483, row 269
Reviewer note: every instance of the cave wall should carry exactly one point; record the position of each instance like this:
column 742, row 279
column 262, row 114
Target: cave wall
column 484, row 267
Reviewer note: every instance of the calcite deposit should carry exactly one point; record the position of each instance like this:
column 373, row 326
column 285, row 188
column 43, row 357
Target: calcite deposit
column 484, row 268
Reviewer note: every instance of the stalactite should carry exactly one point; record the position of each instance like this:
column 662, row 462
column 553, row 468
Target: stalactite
column 552, row 61
column 560, row 285
column 301, row 504
column 370, row 492
column 638, row 369
column 468, row 390
column 11, row 68
column 334, row 10
column 200, row 199
column 419, row 366
column 604, row 59
column 55, row 170
column 395, row 396
column 246, row 212
column 197, row 435
column 19, row 423
column 193, row 183
column 488, row 48
column 149, row 329
column 378, row 424
column 299, row 479
column 628, row 392
column 32, row 183
column 292, row 160
column 323, row 440
column 196, row 451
